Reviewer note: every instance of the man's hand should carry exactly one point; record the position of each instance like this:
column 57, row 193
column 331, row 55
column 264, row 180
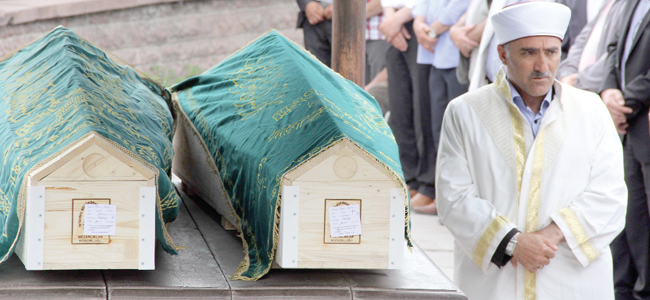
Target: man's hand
column 553, row 233
column 569, row 79
column 314, row 13
column 391, row 27
column 327, row 12
column 421, row 30
column 459, row 35
column 613, row 99
column 533, row 251
column 399, row 42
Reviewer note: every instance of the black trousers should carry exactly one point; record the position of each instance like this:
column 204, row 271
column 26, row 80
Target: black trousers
column 318, row 40
column 631, row 249
column 444, row 87
column 410, row 115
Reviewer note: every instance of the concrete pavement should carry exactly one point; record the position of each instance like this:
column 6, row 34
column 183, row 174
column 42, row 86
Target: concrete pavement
column 435, row 240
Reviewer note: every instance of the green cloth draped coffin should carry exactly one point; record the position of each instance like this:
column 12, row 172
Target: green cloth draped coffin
column 56, row 91
column 267, row 109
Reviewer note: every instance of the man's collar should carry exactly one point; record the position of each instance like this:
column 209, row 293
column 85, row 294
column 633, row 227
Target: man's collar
column 502, row 85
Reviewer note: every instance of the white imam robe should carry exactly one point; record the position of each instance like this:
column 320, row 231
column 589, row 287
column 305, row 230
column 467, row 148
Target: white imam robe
column 493, row 176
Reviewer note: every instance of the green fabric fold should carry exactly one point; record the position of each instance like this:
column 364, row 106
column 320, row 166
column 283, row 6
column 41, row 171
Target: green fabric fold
column 265, row 110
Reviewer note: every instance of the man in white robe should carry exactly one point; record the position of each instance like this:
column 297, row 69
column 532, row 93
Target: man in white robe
column 530, row 171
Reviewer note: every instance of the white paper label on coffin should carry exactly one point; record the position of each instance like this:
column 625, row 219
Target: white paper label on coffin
column 100, row 219
column 345, row 220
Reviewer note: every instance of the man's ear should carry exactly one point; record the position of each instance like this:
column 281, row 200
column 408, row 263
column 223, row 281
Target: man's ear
column 502, row 53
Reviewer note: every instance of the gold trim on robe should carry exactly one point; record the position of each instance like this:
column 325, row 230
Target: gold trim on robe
column 487, row 237
column 520, row 145
column 579, row 233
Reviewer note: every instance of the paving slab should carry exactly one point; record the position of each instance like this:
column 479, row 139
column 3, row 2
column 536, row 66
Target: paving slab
column 193, row 274
column 18, row 283
column 420, row 279
column 435, row 239
column 279, row 283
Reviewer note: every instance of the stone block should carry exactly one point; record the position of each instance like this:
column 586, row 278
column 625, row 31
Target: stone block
column 171, row 52
column 209, row 24
column 102, row 18
column 110, row 36
column 149, row 55
column 130, row 56
column 184, row 27
column 218, row 47
column 284, row 16
column 10, row 30
column 157, row 31
column 134, row 33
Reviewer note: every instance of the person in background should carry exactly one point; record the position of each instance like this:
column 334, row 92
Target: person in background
column 376, row 48
column 376, row 45
column 408, row 97
column 486, row 62
column 315, row 19
column 626, row 92
column 432, row 20
column 466, row 35
column 584, row 67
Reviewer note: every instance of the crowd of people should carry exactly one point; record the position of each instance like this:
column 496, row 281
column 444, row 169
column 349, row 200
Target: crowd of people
column 570, row 70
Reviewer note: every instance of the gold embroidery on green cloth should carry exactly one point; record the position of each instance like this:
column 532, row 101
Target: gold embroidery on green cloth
column 487, row 238
column 362, row 124
column 579, row 233
column 263, row 92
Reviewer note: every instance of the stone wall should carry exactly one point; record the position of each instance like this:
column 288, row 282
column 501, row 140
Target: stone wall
column 171, row 41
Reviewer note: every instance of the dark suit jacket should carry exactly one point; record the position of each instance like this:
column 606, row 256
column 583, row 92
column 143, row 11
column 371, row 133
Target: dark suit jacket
column 301, row 15
column 637, row 74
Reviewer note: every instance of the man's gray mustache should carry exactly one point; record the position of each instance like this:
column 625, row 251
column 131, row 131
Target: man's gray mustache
column 538, row 74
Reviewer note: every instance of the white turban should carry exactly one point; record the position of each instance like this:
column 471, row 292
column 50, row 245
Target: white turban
column 533, row 18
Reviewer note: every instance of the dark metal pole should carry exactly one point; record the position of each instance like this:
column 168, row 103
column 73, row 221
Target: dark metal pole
column 348, row 39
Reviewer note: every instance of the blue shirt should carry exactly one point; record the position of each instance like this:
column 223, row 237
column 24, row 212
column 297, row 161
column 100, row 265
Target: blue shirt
column 533, row 119
column 448, row 12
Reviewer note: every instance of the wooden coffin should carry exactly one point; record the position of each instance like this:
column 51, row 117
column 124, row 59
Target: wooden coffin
column 342, row 175
column 297, row 158
column 92, row 171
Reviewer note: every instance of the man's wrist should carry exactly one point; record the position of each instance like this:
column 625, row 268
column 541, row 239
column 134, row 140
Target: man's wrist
column 510, row 248
column 500, row 258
